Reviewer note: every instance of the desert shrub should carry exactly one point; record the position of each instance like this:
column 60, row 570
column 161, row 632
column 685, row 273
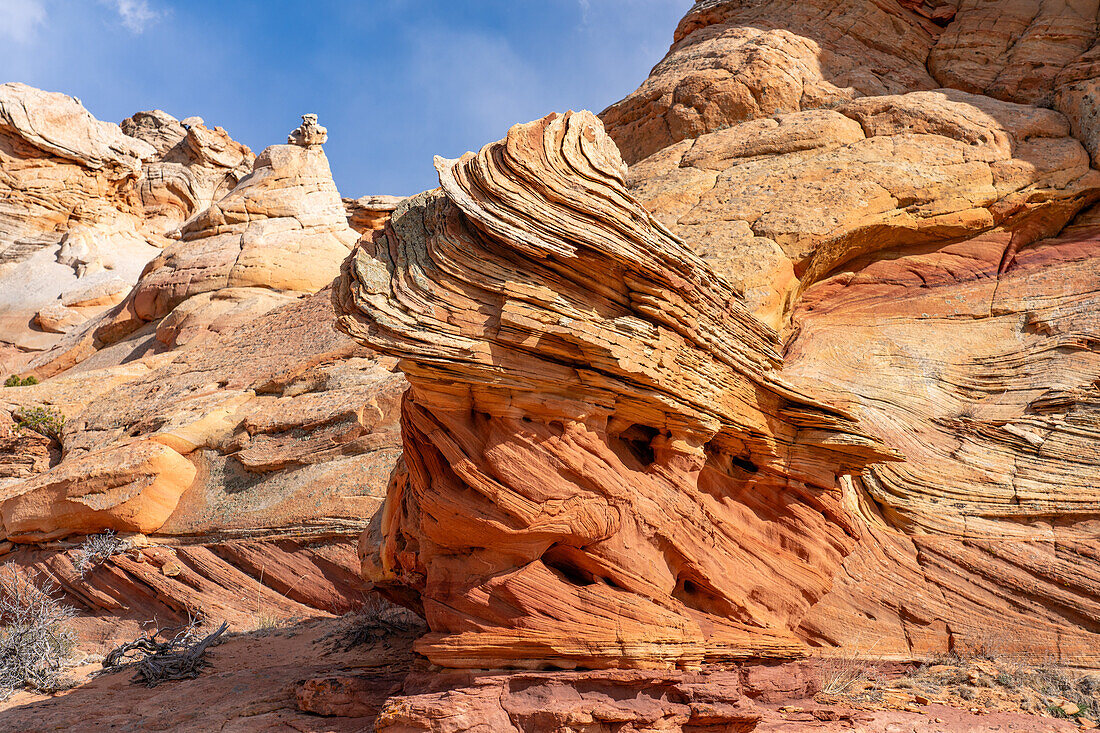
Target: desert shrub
column 96, row 549
column 1055, row 683
column 840, row 673
column 15, row 381
column 966, row 692
column 848, row 673
column 179, row 657
column 377, row 619
column 42, row 420
column 266, row 621
column 34, row 639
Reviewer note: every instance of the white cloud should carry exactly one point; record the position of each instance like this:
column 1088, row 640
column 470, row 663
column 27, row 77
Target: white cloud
column 19, row 19
column 135, row 14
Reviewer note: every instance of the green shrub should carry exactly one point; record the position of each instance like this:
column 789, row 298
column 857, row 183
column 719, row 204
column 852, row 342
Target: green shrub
column 42, row 420
column 15, row 381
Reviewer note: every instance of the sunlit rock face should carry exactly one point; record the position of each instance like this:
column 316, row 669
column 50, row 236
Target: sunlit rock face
column 599, row 444
column 279, row 234
column 213, row 416
column 819, row 369
column 85, row 204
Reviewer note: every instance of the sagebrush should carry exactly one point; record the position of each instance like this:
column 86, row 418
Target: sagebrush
column 377, row 619
column 96, row 549
column 35, row 640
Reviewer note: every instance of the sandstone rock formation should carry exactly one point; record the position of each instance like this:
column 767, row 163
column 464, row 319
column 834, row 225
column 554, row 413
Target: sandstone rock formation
column 368, row 213
column 777, row 203
column 734, row 61
column 888, row 264
column 279, row 234
column 308, row 134
column 247, row 466
column 84, row 205
column 817, row 372
column 246, row 469
column 594, row 460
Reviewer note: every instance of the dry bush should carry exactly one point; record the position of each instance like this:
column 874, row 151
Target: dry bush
column 180, row 657
column 34, row 639
column 96, row 549
column 847, row 670
column 376, row 620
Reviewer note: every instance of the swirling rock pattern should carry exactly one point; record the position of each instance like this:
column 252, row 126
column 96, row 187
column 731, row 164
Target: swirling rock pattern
column 599, row 448
column 684, row 387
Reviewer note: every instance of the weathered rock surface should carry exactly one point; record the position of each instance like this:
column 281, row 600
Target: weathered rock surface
column 777, row 203
column 927, row 256
column 279, row 234
column 595, row 460
column 593, row 701
column 280, row 431
column 195, row 166
column 368, row 213
column 85, row 204
column 734, row 61
column 819, row 371
column 212, row 410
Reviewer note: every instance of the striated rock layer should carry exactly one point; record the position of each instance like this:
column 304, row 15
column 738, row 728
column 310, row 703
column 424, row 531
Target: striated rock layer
column 245, row 468
column 597, row 441
column 928, row 255
column 820, row 370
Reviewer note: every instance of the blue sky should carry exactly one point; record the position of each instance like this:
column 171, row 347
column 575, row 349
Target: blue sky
column 395, row 81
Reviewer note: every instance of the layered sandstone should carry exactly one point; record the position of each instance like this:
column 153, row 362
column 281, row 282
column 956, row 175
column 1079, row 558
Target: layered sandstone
column 818, row 371
column 777, row 203
column 596, row 437
column 213, row 416
column 731, row 62
column 247, row 467
column 924, row 249
column 85, row 204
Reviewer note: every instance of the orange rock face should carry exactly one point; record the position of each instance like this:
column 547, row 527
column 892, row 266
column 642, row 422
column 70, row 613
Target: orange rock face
column 819, row 370
column 599, row 446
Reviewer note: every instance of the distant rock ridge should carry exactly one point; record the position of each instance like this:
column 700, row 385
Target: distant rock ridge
column 278, row 234
column 86, row 204
column 213, row 416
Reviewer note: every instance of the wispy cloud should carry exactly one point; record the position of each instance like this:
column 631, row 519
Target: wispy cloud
column 20, row 19
column 585, row 7
column 135, row 14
